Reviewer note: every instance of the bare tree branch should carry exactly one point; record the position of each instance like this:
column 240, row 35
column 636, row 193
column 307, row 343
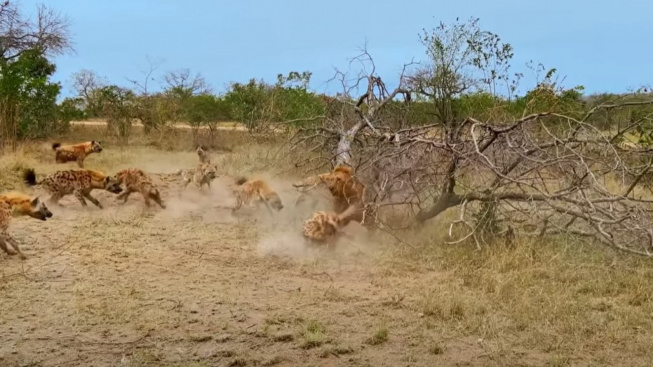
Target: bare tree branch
column 49, row 32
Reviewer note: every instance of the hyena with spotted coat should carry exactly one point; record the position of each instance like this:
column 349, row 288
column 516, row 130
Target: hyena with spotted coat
column 203, row 155
column 202, row 175
column 16, row 203
column 135, row 180
column 75, row 153
column 76, row 182
column 325, row 227
column 257, row 192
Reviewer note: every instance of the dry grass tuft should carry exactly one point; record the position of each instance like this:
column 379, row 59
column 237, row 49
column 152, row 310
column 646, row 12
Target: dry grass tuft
column 380, row 336
column 558, row 296
column 313, row 335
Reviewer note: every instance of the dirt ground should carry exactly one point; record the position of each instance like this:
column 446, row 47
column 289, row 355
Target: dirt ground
column 195, row 285
column 133, row 286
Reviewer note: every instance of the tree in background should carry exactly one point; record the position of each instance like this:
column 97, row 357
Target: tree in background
column 48, row 33
column 181, row 87
column 466, row 72
column 205, row 110
column 118, row 105
column 27, row 98
column 87, row 84
column 288, row 102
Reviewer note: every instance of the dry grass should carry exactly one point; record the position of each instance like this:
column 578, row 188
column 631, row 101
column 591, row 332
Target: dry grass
column 193, row 285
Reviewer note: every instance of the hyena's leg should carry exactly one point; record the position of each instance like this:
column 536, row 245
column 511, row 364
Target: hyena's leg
column 54, row 199
column 199, row 183
column 92, row 200
column 5, row 248
column 14, row 244
column 7, row 239
column 185, row 181
column 80, row 162
column 239, row 202
column 80, row 196
column 146, row 199
column 160, row 202
column 124, row 195
column 262, row 200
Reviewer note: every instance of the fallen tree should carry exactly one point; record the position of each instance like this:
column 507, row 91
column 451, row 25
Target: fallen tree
column 549, row 172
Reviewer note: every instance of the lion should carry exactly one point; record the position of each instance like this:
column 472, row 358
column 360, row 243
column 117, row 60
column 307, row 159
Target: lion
column 345, row 189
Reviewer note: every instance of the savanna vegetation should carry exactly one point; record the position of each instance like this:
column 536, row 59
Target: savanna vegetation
column 511, row 222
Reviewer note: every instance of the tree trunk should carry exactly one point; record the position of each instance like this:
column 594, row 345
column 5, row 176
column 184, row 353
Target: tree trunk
column 343, row 150
column 445, row 201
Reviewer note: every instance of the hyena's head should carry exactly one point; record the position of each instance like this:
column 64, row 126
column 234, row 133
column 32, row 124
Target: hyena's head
column 210, row 171
column 112, row 185
column 37, row 209
column 203, row 155
column 94, row 147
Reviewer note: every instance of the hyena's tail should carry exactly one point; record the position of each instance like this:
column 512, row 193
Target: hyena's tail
column 29, row 176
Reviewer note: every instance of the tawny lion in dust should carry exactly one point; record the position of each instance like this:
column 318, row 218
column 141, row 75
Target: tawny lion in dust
column 346, row 191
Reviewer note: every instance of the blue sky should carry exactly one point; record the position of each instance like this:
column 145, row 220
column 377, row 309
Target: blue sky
column 605, row 47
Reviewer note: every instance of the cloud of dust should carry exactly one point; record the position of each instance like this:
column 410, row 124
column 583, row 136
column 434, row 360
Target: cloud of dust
column 280, row 232
column 212, row 206
column 208, row 205
column 285, row 235
column 283, row 243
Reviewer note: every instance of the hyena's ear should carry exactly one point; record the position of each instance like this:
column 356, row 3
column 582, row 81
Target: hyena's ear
column 35, row 201
column 92, row 141
column 108, row 179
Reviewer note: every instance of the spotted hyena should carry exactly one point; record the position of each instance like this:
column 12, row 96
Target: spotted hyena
column 76, row 182
column 135, row 180
column 16, row 203
column 75, row 153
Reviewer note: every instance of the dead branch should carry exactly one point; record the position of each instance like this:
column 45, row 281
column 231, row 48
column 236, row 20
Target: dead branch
column 546, row 173
column 49, row 32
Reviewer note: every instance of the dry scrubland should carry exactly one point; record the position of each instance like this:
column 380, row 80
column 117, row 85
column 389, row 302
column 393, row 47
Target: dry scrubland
column 195, row 286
